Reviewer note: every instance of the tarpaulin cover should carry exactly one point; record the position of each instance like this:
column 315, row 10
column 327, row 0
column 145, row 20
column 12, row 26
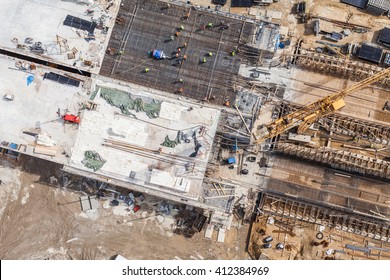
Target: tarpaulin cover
column 30, row 79
column 127, row 103
column 158, row 54
column 93, row 160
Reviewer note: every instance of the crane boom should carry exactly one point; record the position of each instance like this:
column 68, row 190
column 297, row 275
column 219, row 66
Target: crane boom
column 304, row 117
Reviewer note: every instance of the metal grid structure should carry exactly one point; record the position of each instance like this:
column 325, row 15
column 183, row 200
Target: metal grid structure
column 345, row 125
column 294, row 211
column 334, row 194
column 350, row 126
column 339, row 159
column 378, row 7
column 340, row 67
column 148, row 25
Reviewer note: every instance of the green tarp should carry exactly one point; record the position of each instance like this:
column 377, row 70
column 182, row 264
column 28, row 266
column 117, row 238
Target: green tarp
column 127, row 103
column 93, row 160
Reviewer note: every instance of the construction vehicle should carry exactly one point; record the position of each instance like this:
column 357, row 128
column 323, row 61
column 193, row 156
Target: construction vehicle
column 303, row 118
column 71, row 118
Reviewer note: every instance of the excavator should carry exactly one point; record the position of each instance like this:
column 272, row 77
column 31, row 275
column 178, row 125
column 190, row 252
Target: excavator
column 303, row 118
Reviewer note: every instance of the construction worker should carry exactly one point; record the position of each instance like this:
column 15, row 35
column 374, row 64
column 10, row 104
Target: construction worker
column 172, row 38
column 210, row 54
column 184, row 45
column 181, row 90
column 177, row 34
column 204, row 60
column 227, row 104
column 146, row 70
column 178, row 50
column 210, row 24
column 181, row 81
column 184, row 57
column 233, row 53
column 181, row 27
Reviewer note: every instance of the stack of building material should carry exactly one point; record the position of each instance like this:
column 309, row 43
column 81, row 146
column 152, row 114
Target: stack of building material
column 45, row 151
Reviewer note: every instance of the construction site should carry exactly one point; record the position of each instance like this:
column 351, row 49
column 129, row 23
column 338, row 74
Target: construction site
column 216, row 129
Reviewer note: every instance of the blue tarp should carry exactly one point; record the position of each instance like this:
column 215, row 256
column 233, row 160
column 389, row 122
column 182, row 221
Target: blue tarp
column 231, row 160
column 30, row 79
column 158, row 54
column 13, row 146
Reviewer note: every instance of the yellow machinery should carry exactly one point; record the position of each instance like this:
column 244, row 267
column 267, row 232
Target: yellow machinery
column 304, row 117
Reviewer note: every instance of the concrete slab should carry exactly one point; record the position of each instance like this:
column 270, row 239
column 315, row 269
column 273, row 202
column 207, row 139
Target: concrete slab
column 34, row 109
column 221, row 235
column 94, row 202
column 133, row 142
column 88, row 203
column 43, row 20
column 84, row 201
column 209, row 231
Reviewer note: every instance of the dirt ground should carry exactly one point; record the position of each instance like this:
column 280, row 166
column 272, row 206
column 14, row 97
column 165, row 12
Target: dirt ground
column 42, row 221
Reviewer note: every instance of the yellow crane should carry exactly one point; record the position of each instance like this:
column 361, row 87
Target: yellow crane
column 309, row 114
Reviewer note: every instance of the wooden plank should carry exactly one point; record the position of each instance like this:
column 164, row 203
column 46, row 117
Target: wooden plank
column 45, row 151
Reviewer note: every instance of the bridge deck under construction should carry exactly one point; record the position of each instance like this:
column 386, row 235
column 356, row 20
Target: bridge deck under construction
column 143, row 26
